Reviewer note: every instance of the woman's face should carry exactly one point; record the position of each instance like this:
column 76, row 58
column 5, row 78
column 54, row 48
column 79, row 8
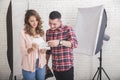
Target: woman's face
column 33, row 21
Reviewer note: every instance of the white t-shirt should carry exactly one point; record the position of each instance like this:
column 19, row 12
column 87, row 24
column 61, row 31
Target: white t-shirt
column 42, row 44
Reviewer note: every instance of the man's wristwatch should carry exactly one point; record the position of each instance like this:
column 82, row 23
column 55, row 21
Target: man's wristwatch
column 60, row 42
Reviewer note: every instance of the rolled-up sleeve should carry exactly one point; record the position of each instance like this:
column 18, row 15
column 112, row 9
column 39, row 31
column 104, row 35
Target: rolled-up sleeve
column 47, row 39
column 72, row 38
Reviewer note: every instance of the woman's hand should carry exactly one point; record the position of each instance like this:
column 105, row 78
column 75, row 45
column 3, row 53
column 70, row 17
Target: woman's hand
column 33, row 48
column 42, row 51
column 30, row 50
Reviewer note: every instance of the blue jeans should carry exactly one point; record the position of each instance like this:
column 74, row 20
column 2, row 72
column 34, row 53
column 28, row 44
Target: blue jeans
column 39, row 73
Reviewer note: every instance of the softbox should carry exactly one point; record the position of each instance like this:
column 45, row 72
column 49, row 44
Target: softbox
column 89, row 29
column 18, row 11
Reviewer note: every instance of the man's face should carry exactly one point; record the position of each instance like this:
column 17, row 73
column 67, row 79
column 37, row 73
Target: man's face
column 54, row 23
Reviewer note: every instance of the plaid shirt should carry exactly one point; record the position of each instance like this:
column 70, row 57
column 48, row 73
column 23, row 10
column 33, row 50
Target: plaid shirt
column 62, row 57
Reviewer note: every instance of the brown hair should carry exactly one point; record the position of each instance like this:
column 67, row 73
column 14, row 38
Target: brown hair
column 28, row 28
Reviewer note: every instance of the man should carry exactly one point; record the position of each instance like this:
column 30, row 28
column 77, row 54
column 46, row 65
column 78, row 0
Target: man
column 62, row 40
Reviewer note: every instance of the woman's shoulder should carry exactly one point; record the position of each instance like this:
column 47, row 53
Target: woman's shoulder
column 22, row 32
column 24, row 35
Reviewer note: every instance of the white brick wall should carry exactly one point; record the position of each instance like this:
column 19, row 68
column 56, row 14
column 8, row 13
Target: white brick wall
column 4, row 68
column 85, row 66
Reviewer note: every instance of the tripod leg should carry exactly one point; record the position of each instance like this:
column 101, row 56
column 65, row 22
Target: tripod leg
column 15, row 78
column 106, row 74
column 11, row 76
column 100, row 73
column 96, row 74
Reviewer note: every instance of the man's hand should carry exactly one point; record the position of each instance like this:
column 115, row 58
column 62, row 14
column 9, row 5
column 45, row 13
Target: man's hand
column 53, row 43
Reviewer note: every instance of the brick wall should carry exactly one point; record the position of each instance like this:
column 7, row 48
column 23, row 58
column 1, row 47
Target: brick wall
column 4, row 68
column 85, row 66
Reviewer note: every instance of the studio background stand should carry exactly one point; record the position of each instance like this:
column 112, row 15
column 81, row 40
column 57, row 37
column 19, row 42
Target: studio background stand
column 98, row 73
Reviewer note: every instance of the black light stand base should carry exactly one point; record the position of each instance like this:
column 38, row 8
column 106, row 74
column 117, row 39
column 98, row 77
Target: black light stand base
column 100, row 69
column 98, row 72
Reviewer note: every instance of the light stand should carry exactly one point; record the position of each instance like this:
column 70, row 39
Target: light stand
column 100, row 69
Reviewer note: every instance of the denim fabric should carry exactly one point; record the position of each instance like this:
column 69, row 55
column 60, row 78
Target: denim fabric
column 39, row 74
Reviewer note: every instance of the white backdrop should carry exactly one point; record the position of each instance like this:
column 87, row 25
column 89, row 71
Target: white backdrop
column 85, row 66
column 87, row 30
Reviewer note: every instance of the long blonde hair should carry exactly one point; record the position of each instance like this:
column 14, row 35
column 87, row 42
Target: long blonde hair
column 28, row 28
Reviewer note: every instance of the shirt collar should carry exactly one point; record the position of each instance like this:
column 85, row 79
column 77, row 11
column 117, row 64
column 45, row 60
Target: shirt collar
column 58, row 29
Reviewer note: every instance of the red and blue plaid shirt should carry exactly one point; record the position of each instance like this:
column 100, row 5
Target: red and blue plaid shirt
column 62, row 57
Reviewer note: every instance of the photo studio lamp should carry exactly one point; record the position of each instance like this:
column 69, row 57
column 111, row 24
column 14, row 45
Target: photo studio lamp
column 102, row 36
column 90, row 31
column 9, row 39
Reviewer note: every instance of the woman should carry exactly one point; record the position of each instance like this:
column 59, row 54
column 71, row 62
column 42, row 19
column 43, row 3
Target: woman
column 31, row 39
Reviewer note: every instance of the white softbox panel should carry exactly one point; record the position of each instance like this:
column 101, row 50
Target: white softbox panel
column 18, row 11
column 87, row 29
